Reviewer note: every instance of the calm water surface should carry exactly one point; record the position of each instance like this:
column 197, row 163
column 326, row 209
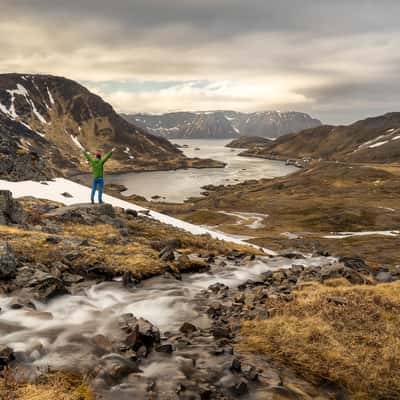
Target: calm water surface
column 176, row 186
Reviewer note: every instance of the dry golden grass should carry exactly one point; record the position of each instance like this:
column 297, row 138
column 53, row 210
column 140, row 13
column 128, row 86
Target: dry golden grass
column 57, row 386
column 356, row 344
column 105, row 248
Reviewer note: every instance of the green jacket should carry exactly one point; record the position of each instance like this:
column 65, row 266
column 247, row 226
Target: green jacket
column 97, row 164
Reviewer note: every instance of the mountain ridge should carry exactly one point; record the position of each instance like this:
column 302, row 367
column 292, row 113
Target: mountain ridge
column 374, row 139
column 64, row 118
column 223, row 124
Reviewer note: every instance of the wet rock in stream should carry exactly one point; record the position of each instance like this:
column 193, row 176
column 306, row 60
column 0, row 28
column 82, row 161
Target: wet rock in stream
column 139, row 333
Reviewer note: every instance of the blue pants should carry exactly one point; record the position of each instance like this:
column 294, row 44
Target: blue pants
column 98, row 183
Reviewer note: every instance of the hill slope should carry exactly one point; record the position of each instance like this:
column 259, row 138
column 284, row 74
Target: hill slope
column 371, row 140
column 59, row 118
column 245, row 142
column 223, row 124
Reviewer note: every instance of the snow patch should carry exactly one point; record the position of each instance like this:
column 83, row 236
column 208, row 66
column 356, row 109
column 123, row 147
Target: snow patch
column 291, row 235
column 76, row 141
column 11, row 112
column 344, row 235
column 37, row 113
column 387, row 209
column 50, row 96
column 372, row 146
column 251, row 220
column 81, row 194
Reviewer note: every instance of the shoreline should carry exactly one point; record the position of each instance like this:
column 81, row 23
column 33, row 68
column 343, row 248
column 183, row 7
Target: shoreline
column 213, row 165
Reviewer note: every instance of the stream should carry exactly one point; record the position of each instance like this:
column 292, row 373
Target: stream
column 60, row 334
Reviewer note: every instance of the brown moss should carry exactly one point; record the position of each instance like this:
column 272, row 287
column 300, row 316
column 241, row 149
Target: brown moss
column 346, row 335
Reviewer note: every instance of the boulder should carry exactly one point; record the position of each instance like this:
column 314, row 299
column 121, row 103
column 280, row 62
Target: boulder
column 8, row 261
column 132, row 213
column 250, row 372
column 11, row 211
column 218, row 287
column 191, row 264
column 48, row 288
column 240, row 388
column 353, row 275
column 167, row 254
column 384, row 277
column 165, row 348
column 83, row 213
column 293, row 256
column 355, row 263
column 6, row 357
column 138, row 333
column 187, row 328
column 236, row 365
column 113, row 368
column 221, row 331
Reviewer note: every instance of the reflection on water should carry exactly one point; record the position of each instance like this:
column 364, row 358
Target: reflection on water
column 176, row 186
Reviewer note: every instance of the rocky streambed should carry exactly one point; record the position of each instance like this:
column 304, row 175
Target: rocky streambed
column 174, row 336
column 171, row 336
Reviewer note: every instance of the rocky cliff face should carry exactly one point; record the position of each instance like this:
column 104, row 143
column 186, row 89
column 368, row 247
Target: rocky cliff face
column 223, row 124
column 370, row 140
column 57, row 118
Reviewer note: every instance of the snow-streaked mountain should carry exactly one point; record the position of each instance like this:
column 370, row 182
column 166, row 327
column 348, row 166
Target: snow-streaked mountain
column 223, row 124
column 372, row 140
column 56, row 118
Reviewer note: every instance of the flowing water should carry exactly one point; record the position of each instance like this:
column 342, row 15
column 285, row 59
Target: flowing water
column 60, row 334
column 176, row 186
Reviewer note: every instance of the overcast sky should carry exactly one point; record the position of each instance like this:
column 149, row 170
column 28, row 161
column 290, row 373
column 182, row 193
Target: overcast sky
column 338, row 60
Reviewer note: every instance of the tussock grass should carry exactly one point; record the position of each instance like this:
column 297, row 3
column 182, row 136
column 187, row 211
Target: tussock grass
column 107, row 249
column 56, row 386
column 346, row 335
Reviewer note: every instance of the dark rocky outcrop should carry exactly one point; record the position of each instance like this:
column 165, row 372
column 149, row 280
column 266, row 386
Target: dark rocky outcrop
column 11, row 211
column 8, row 262
column 84, row 213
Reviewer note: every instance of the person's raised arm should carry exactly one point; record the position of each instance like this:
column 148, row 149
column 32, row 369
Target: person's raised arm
column 108, row 155
column 88, row 156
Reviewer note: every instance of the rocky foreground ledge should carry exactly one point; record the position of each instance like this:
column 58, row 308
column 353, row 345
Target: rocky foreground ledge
column 300, row 328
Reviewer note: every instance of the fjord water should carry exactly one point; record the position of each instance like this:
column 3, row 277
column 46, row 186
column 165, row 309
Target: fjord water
column 176, row 186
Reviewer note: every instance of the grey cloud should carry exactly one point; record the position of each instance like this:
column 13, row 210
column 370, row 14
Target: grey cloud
column 341, row 56
column 221, row 18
